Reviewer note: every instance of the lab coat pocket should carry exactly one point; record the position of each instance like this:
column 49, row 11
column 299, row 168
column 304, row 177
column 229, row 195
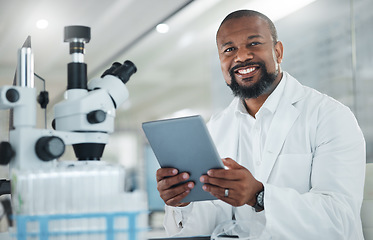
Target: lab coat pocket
column 293, row 171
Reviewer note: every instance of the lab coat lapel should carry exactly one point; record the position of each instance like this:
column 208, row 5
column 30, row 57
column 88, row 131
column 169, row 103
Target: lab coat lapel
column 283, row 119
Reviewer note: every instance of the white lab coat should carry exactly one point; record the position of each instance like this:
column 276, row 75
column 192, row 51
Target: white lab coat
column 313, row 170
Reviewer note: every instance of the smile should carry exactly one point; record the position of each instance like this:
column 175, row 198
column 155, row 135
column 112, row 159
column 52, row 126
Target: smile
column 246, row 71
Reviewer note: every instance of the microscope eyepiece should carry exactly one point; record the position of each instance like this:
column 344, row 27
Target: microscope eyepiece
column 128, row 67
column 111, row 70
column 122, row 71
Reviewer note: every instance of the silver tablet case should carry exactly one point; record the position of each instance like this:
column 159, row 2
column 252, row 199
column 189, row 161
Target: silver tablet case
column 185, row 144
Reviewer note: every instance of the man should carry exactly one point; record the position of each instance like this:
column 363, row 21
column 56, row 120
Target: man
column 295, row 158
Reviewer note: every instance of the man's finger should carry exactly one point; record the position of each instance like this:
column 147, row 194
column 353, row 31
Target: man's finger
column 218, row 192
column 175, row 194
column 169, row 182
column 227, row 174
column 220, row 182
column 175, row 201
column 231, row 164
column 165, row 172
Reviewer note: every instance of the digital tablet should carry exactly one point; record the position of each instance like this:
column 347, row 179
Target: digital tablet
column 185, row 144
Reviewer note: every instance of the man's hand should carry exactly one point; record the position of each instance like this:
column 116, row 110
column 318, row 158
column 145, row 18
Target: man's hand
column 242, row 186
column 172, row 195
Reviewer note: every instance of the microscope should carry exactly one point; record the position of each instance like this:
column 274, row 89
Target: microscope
column 84, row 119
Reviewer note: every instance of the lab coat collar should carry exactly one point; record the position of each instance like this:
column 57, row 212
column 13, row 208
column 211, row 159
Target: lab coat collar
column 294, row 90
column 272, row 101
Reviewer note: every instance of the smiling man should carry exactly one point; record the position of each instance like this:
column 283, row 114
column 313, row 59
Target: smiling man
column 295, row 158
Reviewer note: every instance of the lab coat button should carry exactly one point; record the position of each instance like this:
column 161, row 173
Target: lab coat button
column 258, row 163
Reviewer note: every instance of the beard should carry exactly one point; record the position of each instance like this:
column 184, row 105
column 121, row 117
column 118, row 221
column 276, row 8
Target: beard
column 262, row 86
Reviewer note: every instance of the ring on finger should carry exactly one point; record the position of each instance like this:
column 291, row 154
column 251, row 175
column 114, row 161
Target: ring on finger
column 226, row 192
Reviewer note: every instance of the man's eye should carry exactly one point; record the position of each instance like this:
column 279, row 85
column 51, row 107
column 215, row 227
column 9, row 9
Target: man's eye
column 254, row 43
column 229, row 49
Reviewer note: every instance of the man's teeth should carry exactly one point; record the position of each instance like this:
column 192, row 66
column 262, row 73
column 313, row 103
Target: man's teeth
column 246, row 71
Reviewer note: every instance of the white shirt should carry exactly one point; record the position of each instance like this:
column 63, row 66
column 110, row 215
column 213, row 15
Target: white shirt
column 312, row 155
column 251, row 145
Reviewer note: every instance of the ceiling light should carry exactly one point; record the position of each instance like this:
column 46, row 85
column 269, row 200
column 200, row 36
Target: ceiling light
column 42, row 24
column 162, row 28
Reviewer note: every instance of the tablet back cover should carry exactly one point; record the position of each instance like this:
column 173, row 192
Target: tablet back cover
column 185, row 144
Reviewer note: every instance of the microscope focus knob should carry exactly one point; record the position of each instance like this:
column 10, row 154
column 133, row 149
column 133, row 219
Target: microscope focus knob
column 12, row 95
column 49, row 148
column 6, row 153
column 97, row 116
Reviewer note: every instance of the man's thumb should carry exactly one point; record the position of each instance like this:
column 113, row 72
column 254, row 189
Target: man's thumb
column 230, row 163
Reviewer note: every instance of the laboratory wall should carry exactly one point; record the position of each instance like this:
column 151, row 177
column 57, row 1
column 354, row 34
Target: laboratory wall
column 327, row 47
column 364, row 70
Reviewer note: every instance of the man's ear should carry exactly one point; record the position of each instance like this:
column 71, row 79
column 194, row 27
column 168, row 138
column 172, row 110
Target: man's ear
column 279, row 51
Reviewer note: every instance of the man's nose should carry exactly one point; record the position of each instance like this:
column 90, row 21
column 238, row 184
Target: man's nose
column 244, row 54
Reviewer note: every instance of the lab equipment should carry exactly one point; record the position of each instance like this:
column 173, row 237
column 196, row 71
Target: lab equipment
column 44, row 188
column 84, row 119
column 77, row 200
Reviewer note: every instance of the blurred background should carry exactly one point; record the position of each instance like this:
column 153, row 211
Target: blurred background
column 327, row 46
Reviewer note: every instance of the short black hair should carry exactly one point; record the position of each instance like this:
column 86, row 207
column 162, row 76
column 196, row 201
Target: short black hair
column 252, row 13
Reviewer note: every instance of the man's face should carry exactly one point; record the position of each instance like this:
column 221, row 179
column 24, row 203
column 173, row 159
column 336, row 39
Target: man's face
column 248, row 56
